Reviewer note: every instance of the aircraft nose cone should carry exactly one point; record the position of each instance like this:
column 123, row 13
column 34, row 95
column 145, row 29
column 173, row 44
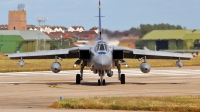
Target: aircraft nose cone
column 102, row 62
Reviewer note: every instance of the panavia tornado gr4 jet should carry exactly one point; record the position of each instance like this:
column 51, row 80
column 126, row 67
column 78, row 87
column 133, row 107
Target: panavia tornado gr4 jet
column 100, row 57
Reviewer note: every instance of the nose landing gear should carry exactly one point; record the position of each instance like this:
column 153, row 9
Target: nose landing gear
column 101, row 81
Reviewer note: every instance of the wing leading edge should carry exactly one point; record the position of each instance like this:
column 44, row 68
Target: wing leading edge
column 48, row 54
column 139, row 53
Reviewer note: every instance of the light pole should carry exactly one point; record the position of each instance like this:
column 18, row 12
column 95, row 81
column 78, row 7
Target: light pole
column 41, row 20
column 61, row 40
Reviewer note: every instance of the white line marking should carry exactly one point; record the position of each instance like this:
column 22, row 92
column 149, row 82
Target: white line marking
column 127, row 72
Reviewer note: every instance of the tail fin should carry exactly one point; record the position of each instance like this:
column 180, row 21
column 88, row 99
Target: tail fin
column 100, row 30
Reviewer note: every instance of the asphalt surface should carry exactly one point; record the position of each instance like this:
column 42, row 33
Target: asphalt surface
column 35, row 91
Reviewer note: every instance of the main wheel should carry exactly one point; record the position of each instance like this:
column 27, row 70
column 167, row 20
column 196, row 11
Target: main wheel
column 78, row 78
column 122, row 78
column 99, row 82
column 104, row 82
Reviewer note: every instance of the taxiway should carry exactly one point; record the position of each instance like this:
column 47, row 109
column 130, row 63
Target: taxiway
column 33, row 90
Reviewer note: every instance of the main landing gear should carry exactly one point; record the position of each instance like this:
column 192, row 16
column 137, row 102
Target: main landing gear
column 121, row 77
column 79, row 77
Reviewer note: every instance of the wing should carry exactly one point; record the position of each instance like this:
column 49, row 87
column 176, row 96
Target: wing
column 183, row 51
column 48, row 54
column 139, row 53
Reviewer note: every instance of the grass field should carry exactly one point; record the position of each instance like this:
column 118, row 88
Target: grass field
column 174, row 103
column 7, row 65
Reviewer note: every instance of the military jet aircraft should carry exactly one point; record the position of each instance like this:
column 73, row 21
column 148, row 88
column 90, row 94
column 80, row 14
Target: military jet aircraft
column 100, row 57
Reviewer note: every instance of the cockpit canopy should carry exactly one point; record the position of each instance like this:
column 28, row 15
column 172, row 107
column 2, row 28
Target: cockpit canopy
column 101, row 47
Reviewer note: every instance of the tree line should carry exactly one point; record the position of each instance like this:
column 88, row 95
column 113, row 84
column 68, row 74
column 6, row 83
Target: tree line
column 142, row 30
column 146, row 28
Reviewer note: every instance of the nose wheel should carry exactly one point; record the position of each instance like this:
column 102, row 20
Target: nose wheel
column 101, row 81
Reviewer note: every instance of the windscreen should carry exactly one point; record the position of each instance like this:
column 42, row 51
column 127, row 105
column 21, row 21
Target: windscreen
column 102, row 47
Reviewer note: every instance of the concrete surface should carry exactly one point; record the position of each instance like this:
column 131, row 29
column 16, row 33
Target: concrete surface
column 33, row 91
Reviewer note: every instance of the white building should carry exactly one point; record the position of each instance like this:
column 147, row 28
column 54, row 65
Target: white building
column 76, row 28
column 96, row 29
column 49, row 29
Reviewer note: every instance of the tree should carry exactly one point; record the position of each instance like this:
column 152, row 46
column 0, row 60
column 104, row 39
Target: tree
column 146, row 28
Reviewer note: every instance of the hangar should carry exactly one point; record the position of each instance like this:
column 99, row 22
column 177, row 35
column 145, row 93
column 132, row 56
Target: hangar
column 23, row 41
column 170, row 40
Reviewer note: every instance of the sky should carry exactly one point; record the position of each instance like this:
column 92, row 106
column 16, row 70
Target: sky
column 119, row 14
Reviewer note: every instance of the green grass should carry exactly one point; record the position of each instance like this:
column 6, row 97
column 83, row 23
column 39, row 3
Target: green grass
column 7, row 65
column 175, row 103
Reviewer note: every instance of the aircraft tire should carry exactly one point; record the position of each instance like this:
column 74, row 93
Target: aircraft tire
column 122, row 78
column 78, row 78
column 104, row 82
column 99, row 82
